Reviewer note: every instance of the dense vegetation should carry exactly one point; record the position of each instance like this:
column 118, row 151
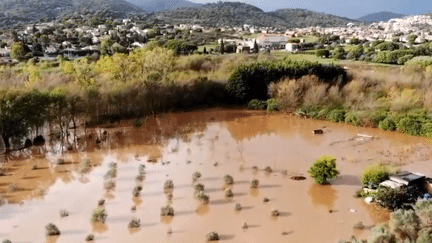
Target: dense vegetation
column 413, row 225
column 31, row 11
column 238, row 14
column 251, row 81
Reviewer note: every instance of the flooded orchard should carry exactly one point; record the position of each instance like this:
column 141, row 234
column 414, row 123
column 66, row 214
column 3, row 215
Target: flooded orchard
column 216, row 142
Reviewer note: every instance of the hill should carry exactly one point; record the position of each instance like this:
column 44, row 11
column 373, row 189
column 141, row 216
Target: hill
column 381, row 16
column 14, row 11
column 158, row 5
column 301, row 18
column 236, row 13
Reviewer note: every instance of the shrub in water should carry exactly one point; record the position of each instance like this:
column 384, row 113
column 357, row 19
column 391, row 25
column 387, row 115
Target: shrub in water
column 99, row 215
column 64, row 213
column 388, row 124
column 61, row 161
column 140, row 178
column 167, row 211
column 229, row 193
column 410, row 126
column 212, row 236
column 257, row 104
column 136, row 191
column 112, row 173
column 112, row 165
column 254, row 183
column 268, row 169
column 374, row 174
column 51, row 229
column 203, row 197
column 196, row 176
column 352, row 119
column 109, row 185
column 336, row 115
column 198, row 187
column 90, row 237
column 228, row 179
column 141, row 169
column 169, row 184
column 134, row 223
column 101, row 202
column 238, row 207
column 323, row 169
column 7, row 241
column 275, row 212
column 272, row 105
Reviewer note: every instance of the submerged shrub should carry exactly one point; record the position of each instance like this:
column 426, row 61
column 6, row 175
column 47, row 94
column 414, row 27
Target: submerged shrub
column 140, row 178
column 272, row 104
column 112, row 173
column 167, row 211
column 352, row 119
column 198, row 187
column 275, row 212
column 7, row 241
column 410, row 126
column 212, row 236
column 90, row 237
column 388, row 124
column 323, row 169
column 51, row 229
column 169, row 184
column 238, row 207
column 254, row 183
column 99, row 215
column 203, row 197
column 374, row 174
column 228, row 179
column 257, row 104
column 109, row 185
column 336, row 115
column 136, row 191
column 229, row 193
column 134, row 223
column 101, row 202
column 141, row 169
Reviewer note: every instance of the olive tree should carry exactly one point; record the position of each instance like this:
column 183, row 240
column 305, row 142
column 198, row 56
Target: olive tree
column 323, row 169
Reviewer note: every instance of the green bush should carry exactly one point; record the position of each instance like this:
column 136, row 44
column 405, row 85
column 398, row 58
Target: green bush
column 323, row 169
column 392, row 198
column 410, row 126
column 388, row 124
column 257, row 104
column 378, row 116
column 424, row 236
column 323, row 53
column 250, row 81
column 51, row 229
column 336, row 115
column 99, row 215
column 374, row 174
column 272, row 105
column 352, row 119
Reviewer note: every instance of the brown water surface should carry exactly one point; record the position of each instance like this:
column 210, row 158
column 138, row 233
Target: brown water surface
column 174, row 146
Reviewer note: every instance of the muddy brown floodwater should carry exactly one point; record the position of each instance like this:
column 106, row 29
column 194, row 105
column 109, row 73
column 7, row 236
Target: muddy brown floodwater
column 179, row 144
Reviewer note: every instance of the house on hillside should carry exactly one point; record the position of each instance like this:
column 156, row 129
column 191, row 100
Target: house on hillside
column 272, row 41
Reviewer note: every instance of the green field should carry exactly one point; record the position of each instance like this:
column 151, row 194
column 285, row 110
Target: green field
column 207, row 46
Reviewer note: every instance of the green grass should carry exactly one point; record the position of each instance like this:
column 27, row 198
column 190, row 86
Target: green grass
column 303, row 57
column 309, row 38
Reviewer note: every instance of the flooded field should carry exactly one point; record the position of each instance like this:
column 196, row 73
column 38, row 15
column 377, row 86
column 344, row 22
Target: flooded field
column 215, row 143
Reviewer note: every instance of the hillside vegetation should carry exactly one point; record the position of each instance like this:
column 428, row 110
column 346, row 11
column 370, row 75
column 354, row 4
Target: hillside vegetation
column 237, row 14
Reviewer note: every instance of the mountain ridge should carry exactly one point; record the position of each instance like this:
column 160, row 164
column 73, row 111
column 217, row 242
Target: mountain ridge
column 381, row 16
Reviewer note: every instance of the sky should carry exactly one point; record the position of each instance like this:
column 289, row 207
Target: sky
column 346, row 8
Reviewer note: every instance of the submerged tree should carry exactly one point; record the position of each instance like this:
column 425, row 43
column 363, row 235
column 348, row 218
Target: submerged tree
column 323, row 169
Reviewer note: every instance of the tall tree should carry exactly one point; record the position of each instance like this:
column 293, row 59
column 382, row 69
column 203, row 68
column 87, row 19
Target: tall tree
column 255, row 47
column 222, row 47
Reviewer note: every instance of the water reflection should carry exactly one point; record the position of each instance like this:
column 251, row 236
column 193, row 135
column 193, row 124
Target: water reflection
column 323, row 196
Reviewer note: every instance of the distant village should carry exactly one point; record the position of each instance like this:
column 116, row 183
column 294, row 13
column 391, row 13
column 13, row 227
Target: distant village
column 49, row 40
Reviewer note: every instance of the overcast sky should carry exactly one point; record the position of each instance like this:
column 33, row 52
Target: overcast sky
column 345, row 8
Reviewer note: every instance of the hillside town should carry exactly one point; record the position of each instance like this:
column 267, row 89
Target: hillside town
column 51, row 39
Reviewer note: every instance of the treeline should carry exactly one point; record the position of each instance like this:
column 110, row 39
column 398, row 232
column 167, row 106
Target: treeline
column 251, row 81
column 144, row 82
